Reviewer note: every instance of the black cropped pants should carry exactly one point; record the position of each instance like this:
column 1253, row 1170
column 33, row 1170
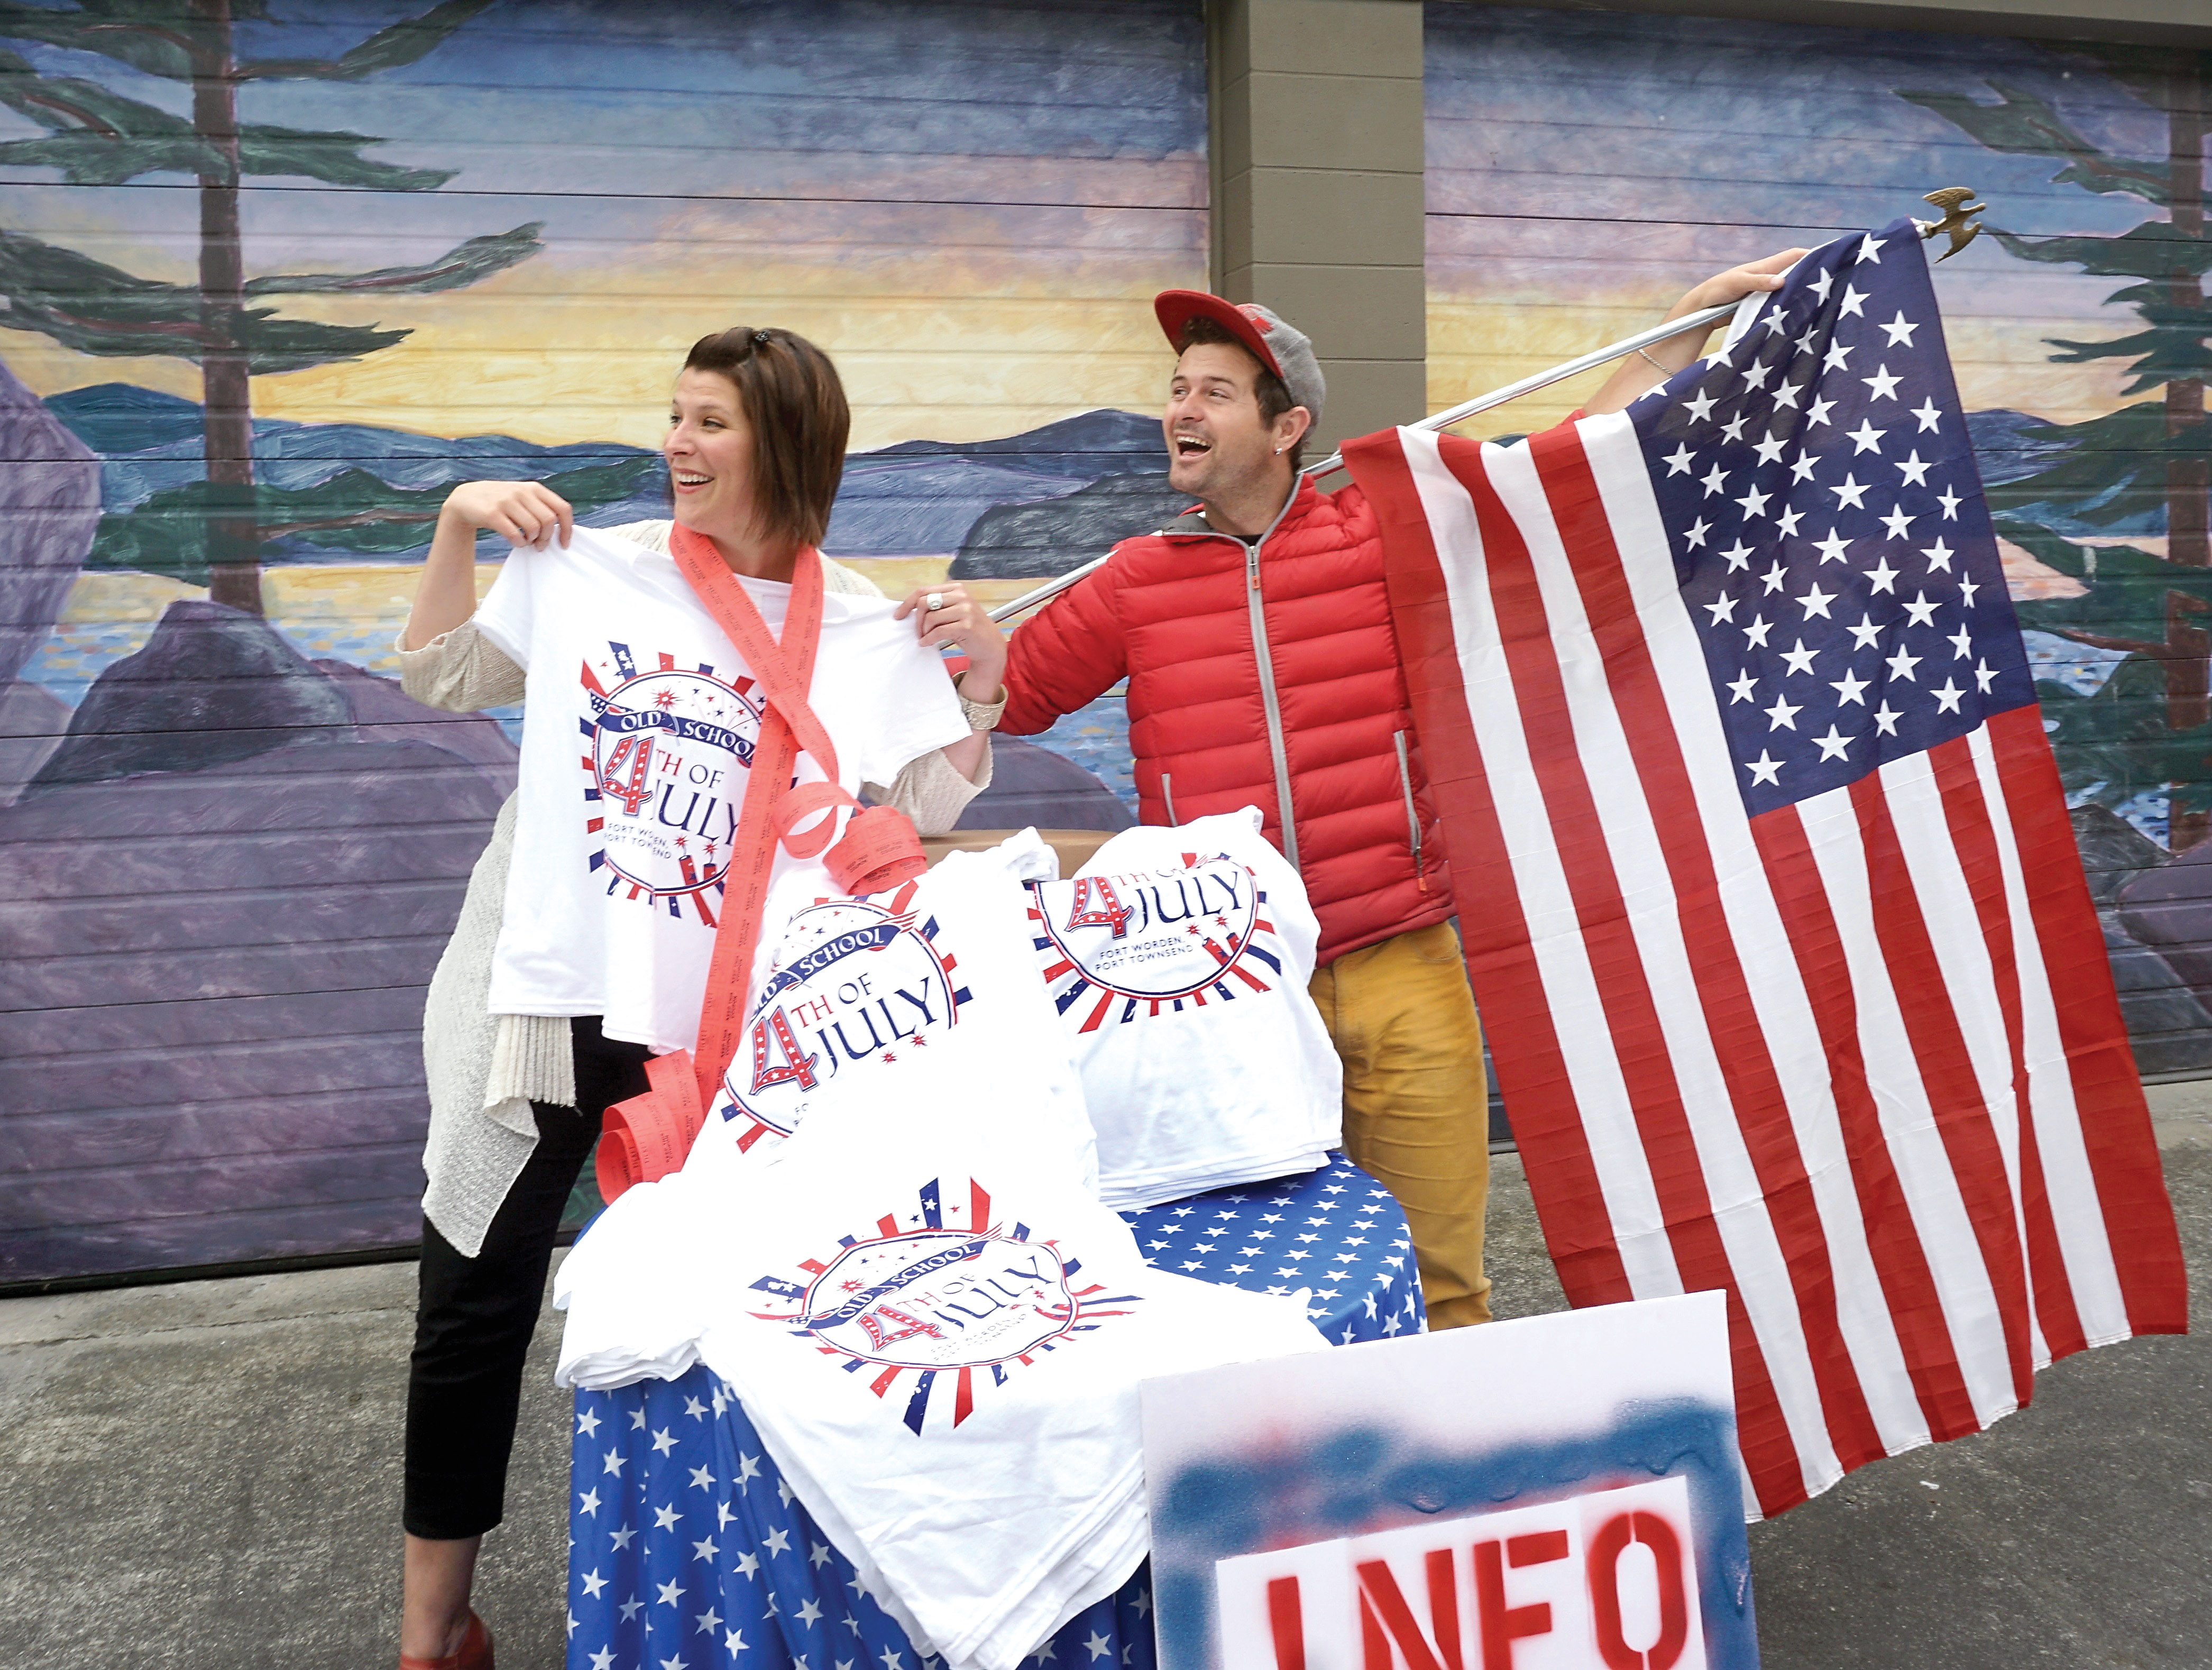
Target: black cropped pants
column 475, row 1316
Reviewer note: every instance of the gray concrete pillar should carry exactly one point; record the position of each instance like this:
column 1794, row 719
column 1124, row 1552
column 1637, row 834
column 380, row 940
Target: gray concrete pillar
column 1316, row 148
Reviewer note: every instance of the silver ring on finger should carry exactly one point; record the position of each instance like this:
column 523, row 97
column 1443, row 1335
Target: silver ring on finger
column 933, row 602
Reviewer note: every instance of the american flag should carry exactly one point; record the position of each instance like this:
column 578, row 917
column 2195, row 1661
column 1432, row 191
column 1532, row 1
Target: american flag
column 1768, row 889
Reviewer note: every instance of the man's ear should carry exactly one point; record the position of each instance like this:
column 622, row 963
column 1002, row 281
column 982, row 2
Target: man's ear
column 1291, row 426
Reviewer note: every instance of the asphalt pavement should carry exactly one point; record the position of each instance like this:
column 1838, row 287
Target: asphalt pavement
column 206, row 1474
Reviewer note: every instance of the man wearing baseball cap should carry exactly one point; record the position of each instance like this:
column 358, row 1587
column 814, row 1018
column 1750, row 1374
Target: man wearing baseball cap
column 1255, row 633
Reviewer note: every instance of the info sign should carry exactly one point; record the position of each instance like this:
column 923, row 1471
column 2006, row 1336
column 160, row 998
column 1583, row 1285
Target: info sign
column 1556, row 1493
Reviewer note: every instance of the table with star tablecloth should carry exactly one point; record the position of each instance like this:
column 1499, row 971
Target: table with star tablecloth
column 688, row 1551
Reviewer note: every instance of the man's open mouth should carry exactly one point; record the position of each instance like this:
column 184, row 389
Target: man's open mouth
column 1190, row 447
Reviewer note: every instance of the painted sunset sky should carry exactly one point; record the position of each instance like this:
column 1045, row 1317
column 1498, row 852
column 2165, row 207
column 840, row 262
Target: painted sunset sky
column 1584, row 169
column 970, row 205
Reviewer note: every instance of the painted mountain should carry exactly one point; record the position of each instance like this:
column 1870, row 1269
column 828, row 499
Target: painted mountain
column 346, row 491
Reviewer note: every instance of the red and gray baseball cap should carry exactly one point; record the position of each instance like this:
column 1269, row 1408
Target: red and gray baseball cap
column 1276, row 344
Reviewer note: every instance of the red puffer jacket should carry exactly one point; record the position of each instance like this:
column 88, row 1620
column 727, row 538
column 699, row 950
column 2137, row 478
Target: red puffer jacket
column 1253, row 679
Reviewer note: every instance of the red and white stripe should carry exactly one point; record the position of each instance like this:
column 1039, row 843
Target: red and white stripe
column 1818, row 1059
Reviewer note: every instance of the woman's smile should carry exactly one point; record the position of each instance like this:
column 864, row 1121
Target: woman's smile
column 708, row 450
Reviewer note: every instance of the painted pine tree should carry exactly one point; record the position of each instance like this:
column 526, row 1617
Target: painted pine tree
column 226, row 322
column 2147, row 464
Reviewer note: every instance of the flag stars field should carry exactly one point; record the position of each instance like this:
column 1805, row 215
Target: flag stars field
column 1770, row 432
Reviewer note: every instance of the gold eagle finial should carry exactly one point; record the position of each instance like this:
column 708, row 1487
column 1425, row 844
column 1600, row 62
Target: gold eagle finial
column 1952, row 200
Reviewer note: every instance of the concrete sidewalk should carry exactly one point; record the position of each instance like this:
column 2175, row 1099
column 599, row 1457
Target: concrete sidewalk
column 207, row 1475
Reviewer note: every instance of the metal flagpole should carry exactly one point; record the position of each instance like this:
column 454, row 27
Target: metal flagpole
column 1443, row 420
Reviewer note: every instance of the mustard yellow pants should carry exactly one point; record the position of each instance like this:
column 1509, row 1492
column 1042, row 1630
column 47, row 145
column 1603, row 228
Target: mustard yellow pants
column 1416, row 1107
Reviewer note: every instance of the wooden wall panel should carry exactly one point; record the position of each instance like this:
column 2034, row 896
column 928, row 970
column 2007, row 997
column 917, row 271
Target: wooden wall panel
column 230, row 851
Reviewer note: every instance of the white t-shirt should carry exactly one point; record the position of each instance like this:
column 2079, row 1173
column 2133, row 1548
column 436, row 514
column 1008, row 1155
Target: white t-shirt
column 849, row 992
column 1178, row 959
column 939, row 1334
column 639, row 722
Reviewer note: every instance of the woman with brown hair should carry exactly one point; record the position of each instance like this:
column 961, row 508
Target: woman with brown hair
column 585, row 942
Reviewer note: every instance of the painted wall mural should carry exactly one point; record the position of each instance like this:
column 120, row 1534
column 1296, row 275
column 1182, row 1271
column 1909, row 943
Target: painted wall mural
column 1583, row 169
column 275, row 274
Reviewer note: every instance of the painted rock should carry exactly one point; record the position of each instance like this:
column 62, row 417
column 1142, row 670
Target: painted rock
column 49, row 512
column 210, row 1038
column 1017, row 541
column 1033, row 786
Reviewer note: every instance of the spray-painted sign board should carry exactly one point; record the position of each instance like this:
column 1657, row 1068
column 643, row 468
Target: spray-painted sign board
column 1556, row 1493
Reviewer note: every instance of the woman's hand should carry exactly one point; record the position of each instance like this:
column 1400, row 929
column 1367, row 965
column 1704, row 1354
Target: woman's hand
column 945, row 614
column 1649, row 368
column 521, row 512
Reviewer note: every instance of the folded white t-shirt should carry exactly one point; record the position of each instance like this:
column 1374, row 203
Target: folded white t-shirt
column 939, row 1334
column 851, row 994
column 633, row 1311
column 1179, row 959
column 638, row 721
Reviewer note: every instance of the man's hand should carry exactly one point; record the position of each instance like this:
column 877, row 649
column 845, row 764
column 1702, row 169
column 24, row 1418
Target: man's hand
column 1737, row 284
column 944, row 614
column 1647, row 369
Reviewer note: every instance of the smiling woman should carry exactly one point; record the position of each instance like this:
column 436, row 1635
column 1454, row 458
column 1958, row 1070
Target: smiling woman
column 610, row 901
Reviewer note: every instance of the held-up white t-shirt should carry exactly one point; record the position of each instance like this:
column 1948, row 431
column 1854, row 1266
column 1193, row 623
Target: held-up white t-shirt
column 851, row 995
column 1178, row 959
column 638, row 723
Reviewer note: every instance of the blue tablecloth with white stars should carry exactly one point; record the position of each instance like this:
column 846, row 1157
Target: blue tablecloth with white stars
column 688, row 1551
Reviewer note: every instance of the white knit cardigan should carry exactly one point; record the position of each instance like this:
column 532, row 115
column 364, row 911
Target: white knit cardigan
column 485, row 1070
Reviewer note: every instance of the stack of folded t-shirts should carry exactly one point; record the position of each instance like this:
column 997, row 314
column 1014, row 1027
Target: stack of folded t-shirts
column 939, row 1332
column 1178, row 959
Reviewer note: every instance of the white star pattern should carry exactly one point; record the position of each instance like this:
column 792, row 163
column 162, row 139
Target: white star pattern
column 1860, row 385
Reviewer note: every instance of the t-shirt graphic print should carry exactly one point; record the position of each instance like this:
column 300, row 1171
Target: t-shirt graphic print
column 859, row 980
column 933, row 1308
column 667, row 751
column 1178, row 959
column 639, row 722
column 851, row 996
column 1132, row 944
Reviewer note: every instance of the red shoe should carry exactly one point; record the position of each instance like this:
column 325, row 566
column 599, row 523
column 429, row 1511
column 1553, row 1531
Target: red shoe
column 474, row 1652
